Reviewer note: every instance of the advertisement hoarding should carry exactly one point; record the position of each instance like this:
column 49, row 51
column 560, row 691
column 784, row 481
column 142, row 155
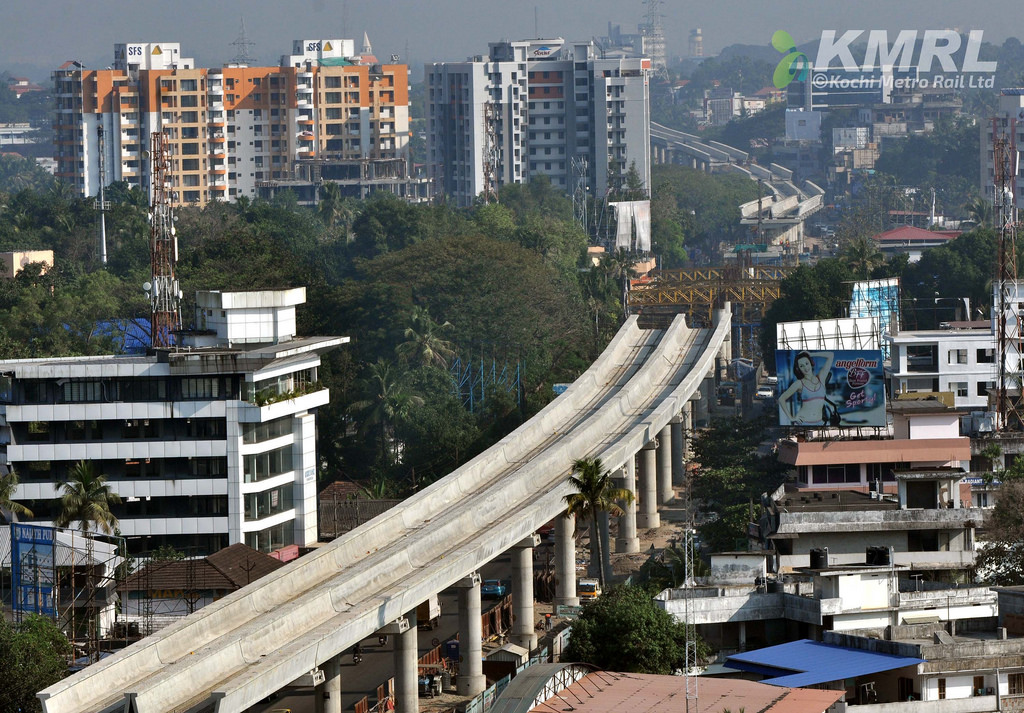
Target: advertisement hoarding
column 841, row 388
column 32, row 568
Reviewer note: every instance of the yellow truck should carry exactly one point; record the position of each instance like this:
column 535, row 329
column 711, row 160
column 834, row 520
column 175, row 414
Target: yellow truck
column 588, row 590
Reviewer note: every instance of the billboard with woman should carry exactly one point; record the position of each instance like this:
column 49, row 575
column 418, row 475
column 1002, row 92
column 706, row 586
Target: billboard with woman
column 841, row 388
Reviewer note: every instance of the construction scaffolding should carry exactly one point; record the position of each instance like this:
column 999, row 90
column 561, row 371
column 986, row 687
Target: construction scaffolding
column 473, row 381
column 697, row 292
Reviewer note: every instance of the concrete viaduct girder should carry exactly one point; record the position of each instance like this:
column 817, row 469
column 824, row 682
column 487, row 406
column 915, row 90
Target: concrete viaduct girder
column 254, row 642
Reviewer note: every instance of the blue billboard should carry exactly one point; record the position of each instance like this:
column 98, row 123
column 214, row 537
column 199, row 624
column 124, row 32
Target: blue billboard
column 32, row 571
column 879, row 299
column 841, row 388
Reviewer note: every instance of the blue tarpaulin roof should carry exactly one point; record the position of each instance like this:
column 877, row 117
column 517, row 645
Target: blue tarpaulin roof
column 807, row 663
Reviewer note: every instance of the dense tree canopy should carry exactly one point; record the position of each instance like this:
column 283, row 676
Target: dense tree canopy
column 623, row 630
column 33, row 655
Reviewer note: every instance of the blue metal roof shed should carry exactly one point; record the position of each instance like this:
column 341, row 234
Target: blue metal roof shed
column 807, row 663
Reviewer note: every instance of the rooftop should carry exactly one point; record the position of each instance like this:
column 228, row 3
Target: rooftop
column 809, row 663
column 832, row 500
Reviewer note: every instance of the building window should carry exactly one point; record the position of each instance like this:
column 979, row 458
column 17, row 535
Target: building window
column 261, row 466
column 1016, row 681
column 957, row 356
column 200, row 388
column 270, row 502
column 942, row 689
column 38, row 431
column 959, row 388
column 259, row 432
column 82, row 391
column 188, row 85
column 986, row 356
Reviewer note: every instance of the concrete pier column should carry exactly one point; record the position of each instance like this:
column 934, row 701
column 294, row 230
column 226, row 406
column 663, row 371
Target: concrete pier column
column 604, row 532
column 407, row 699
column 471, row 681
column 664, row 457
column 523, row 617
column 627, row 540
column 647, row 515
column 328, row 693
column 678, row 451
column 565, row 562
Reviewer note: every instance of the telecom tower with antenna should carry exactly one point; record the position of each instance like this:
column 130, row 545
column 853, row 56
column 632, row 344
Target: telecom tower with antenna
column 654, row 37
column 243, row 48
column 101, row 204
column 490, row 154
column 1004, row 213
column 581, row 183
column 163, row 291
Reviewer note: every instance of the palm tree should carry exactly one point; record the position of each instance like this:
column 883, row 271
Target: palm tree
column 8, row 484
column 862, row 255
column 979, row 212
column 389, row 402
column 595, row 494
column 86, row 498
column 423, row 344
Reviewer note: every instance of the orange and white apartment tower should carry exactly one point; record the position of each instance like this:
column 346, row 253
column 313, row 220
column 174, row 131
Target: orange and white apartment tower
column 228, row 128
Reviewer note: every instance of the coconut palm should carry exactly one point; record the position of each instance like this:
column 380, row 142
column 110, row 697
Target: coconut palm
column 862, row 255
column 979, row 212
column 85, row 497
column 8, row 484
column 595, row 494
column 389, row 402
column 423, row 343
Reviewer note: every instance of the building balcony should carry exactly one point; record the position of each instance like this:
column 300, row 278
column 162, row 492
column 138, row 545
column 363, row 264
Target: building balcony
column 254, row 413
column 216, row 105
column 216, row 139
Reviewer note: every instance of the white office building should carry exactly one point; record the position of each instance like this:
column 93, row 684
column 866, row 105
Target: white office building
column 209, row 443
column 537, row 108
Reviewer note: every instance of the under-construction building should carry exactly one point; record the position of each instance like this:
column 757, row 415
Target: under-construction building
column 231, row 130
column 531, row 108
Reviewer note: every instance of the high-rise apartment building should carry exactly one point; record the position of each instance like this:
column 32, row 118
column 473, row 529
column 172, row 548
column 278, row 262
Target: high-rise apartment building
column 1008, row 125
column 537, row 108
column 230, row 129
column 207, row 444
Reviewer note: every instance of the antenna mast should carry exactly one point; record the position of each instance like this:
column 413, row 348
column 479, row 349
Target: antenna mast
column 490, row 153
column 244, row 46
column 1004, row 210
column 102, row 204
column 164, row 292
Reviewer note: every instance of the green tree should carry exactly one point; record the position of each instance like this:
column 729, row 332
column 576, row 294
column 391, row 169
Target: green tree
column 8, row 484
column 33, row 655
column 862, row 255
column 424, row 345
column 623, row 630
column 979, row 212
column 86, row 498
column 387, row 404
column 595, row 494
column 1001, row 559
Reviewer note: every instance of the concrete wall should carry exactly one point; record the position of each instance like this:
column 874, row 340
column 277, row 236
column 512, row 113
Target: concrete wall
column 981, row 704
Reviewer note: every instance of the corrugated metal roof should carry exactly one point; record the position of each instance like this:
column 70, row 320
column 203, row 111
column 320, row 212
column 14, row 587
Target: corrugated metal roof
column 612, row 692
column 807, row 663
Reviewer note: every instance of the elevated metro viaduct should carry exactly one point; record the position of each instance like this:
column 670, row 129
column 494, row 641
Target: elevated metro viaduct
column 633, row 405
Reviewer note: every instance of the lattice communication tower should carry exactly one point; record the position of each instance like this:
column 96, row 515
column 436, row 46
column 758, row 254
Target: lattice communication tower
column 163, row 291
column 1004, row 214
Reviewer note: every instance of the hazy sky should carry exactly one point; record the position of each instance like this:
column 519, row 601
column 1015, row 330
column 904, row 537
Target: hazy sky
column 37, row 35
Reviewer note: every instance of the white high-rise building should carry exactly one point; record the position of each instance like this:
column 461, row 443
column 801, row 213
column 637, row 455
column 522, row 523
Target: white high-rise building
column 207, row 444
column 531, row 108
column 1008, row 124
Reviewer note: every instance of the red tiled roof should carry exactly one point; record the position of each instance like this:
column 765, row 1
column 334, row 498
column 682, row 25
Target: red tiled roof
column 231, row 568
column 908, row 233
